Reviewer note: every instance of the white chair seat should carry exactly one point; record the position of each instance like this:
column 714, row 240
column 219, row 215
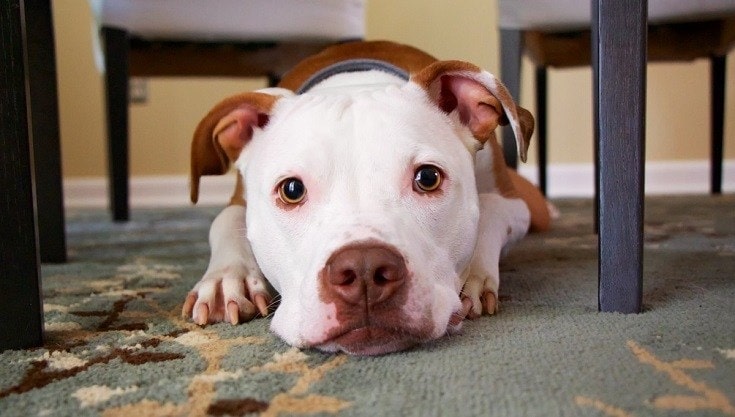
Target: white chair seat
column 234, row 20
column 549, row 15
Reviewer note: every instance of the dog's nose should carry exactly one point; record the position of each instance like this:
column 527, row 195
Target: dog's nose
column 365, row 274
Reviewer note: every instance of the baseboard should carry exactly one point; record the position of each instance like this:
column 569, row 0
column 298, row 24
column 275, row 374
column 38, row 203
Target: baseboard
column 662, row 177
column 149, row 191
column 564, row 180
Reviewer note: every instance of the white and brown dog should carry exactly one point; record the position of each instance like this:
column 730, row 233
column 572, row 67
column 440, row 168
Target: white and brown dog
column 378, row 202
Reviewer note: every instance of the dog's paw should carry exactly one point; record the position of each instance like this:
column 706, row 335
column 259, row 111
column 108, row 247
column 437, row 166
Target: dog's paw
column 228, row 294
column 482, row 292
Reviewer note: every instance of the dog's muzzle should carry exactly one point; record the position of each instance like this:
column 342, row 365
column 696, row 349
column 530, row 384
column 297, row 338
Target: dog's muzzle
column 369, row 285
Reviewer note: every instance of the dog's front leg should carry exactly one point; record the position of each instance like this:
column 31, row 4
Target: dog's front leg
column 503, row 221
column 233, row 287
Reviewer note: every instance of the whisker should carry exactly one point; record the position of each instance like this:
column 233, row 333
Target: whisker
column 273, row 304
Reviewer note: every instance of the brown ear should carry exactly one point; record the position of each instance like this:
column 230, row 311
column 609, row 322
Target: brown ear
column 223, row 133
column 481, row 100
column 527, row 125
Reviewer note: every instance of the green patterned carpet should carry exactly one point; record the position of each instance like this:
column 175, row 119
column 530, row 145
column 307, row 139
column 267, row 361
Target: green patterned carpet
column 116, row 345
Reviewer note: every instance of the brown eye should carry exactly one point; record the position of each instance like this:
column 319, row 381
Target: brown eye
column 427, row 178
column 292, row 191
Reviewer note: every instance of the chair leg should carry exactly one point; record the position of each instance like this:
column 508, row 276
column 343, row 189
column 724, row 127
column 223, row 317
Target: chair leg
column 541, row 121
column 45, row 130
column 620, row 86
column 511, row 45
column 718, row 64
column 21, row 310
column 116, row 81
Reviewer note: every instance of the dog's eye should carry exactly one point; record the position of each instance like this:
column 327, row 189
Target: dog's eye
column 427, row 178
column 292, row 191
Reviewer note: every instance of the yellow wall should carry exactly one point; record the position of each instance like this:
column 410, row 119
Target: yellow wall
column 678, row 94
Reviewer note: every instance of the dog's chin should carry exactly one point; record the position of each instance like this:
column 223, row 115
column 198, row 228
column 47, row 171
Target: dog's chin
column 369, row 341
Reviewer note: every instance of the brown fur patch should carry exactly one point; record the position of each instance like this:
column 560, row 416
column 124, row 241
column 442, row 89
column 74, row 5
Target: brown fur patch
column 430, row 75
column 207, row 156
column 430, row 78
column 403, row 56
column 238, row 196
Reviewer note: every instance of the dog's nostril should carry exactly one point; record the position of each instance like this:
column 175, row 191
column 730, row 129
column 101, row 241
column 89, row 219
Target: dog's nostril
column 382, row 276
column 347, row 277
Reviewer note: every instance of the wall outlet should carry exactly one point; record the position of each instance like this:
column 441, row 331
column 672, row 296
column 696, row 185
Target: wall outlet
column 138, row 90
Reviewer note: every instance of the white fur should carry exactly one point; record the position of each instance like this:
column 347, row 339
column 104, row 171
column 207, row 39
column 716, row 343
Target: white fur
column 232, row 266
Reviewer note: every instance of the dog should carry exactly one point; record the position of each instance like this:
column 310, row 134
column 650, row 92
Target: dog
column 372, row 199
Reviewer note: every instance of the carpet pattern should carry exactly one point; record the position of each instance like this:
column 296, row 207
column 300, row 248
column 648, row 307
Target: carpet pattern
column 117, row 346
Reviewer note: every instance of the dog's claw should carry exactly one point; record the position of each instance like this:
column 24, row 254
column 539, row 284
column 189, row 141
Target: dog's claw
column 487, row 303
column 456, row 319
column 201, row 315
column 233, row 311
column 490, row 302
column 262, row 303
column 188, row 307
column 462, row 313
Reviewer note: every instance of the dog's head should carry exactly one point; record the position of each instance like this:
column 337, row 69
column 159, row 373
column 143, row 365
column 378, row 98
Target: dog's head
column 362, row 207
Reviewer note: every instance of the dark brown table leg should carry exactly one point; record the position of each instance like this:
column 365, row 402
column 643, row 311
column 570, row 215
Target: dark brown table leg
column 21, row 310
column 541, row 125
column 718, row 65
column 619, row 62
column 116, row 86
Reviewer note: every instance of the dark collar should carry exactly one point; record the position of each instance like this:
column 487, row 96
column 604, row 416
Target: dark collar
column 352, row 65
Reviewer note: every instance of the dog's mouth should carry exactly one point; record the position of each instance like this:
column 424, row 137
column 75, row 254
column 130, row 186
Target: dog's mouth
column 370, row 341
column 376, row 337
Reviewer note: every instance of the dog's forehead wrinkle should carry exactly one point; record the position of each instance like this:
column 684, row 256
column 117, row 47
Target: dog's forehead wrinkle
column 354, row 126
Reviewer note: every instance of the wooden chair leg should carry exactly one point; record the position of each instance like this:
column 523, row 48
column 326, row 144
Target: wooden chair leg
column 45, row 130
column 21, row 310
column 619, row 58
column 541, row 125
column 718, row 65
column 116, row 85
column 510, row 71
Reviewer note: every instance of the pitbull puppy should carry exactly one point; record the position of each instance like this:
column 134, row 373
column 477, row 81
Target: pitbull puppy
column 372, row 197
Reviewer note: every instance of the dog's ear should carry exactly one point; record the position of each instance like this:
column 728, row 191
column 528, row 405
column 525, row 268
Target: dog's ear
column 223, row 133
column 481, row 100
